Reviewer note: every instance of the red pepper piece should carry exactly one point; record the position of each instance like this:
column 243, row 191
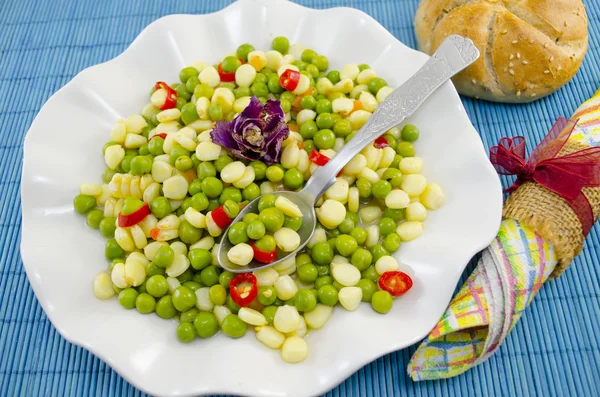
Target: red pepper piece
column 243, row 289
column 135, row 217
column 318, row 158
column 289, row 79
column 170, row 99
column 163, row 135
column 381, row 142
column 227, row 77
column 220, row 217
column 396, row 283
column 263, row 256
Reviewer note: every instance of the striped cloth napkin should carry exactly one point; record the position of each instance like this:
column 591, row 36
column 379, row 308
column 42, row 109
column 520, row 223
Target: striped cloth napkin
column 508, row 276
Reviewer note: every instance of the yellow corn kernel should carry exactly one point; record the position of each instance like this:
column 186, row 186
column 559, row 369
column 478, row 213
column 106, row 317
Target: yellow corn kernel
column 103, row 286
column 267, row 187
column 221, row 312
column 353, row 199
column 372, row 236
column 338, row 144
column 109, row 207
column 134, row 141
column 409, row 230
column 147, row 224
column 150, row 249
column 366, row 76
column 304, row 162
column 135, row 273
column 270, row 337
column 286, row 288
column 118, row 207
column 204, row 136
column 151, row 192
column 252, row 317
column 113, row 156
column 350, row 71
column 346, row 274
column 203, row 302
column 319, row 316
column 241, row 103
column 303, row 85
column 179, row 265
column 274, row 59
column 356, row 165
column 173, row 284
column 294, row 350
column 416, row 212
column 370, row 175
column 232, row 172
column 359, row 118
column 105, row 195
column 305, row 115
column 266, row 276
column 356, row 91
column 258, row 59
column 411, row 165
column 414, row 184
column 179, row 248
column 202, row 105
column 138, row 236
column 244, row 75
column 224, row 97
column 342, row 106
column 370, row 213
column 208, row 151
column 397, row 199
column 209, row 76
column 199, row 66
column 205, row 243
column 241, row 254
column 302, row 330
column 296, row 50
column 318, row 236
column 195, row 218
column 287, row 239
column 123, row 238
column 386, row 263
column 158, row 98
column 344, row 86
column 118, row 132
column 168, row 234
column 324, row 86
column 168, row 222
column 168, row 115
column 145, row 181
column 387, row 157
column 134, row 187
column 246, row 179
column 201, row 125
column 285, row 265
column 185, row 141
column 286, row 318
column 117, row 276
column 331, row 213
column 368, row 101
column 285, row 67
column 338, row 191
column 350, row 298
column 383, row 93
column 288, row 207
column 175, row 188
column 90, row 189
column 433, row 197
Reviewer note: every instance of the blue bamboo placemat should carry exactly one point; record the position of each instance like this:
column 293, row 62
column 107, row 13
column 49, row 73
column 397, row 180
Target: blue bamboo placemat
column 554, row 350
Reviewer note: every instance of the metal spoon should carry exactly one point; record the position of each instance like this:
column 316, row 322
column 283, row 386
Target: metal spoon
column 453, row 55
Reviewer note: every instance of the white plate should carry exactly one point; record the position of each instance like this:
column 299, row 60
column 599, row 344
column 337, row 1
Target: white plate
column 62, row 255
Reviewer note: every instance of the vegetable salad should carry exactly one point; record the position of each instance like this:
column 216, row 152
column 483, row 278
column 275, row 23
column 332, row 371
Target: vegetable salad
column 179, row 172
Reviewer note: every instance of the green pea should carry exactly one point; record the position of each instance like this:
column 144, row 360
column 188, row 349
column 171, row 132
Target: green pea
column 353, row 216
column 177, row 152
column 209, row 276
column 141, row 288
column 266, row 295
column 324, row 121
column 307, row 55
column 376, row 84
column 233, row 327
column 181, row 102
column 324, row 270
column 312, row 70
column 259, row 89
column 261, row 78
column 387, row 226
column 324, row 107
column 381, row 189
column 113, row 250
column 300, row 65
column 107, row 175
column 342, row 128
column 83, row 203
column 303, row 258
column 361, row 259
column 164, row 256
column 305, row 301
column 183, row 163
column 346, row 245
column 127, row 298
column 203, row 90
column 269, row 313
column 191, row 84
column 274, row 173
column 212, row 187
column 238, row 233
column 217, row 294
column 393, row 175
column 273, row 84
column 164, row 307
column 108, row 227
column 371, row 274
column 337, row 285
column 286, row 105
column 186, row 73
column 333, row 233
column 396, row 214
column 321, row 62
column 332, row 97
column 189, row 113
column 193, row 285
column 199, row 258
column 199, row 201
column 155, row 146
column 368, row 288
column 241, row 92
column 323, row 280
column 94, row 217
column 392, row 242
column 309, row 145
column 396, row 161
column 324, row 139
column 145, row 303
column 328, row 295
column 410, row 133
column 249, row 218
column 255, row 230
column 243, row 51
column 278, row 302
column 364, row 187
column 183, row 298
column 157, row 286
column 131, row 205
column 334, row 76
column 107, row 144
column 378, row 251
column 382, row 301
column 405, row 149
column 391, row 140
column 293, row 223
column 231, row 305
column 346, row 226
column 182, row 91
column 281, row 44
column 206, row 324
column 188, row 316
column 143, row 150
column 153, row 270
column 308, row 273
column 213, row 205
column 288, row 96
column 260, row 169
column 230, row 64
column 293, row 179
column 251, row 192
column 215, row 112
column 225, row 279
column 230, row 193
column 187, row 275
column 308, row 129
column 185, row 332
column 272, row 218
column 188, row 233
column 267, row 243
column 221, row 162
column 231, row 208
column 322, row 253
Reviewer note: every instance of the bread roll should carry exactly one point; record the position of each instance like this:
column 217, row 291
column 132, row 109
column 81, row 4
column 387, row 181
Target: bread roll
column 529, row 48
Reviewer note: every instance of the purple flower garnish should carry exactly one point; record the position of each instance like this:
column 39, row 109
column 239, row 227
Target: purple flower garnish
column 255, row 134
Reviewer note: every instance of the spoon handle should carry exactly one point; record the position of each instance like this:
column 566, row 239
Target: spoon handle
column 454, row 54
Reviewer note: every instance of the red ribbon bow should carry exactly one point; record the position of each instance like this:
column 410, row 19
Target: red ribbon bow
column 564, row 175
